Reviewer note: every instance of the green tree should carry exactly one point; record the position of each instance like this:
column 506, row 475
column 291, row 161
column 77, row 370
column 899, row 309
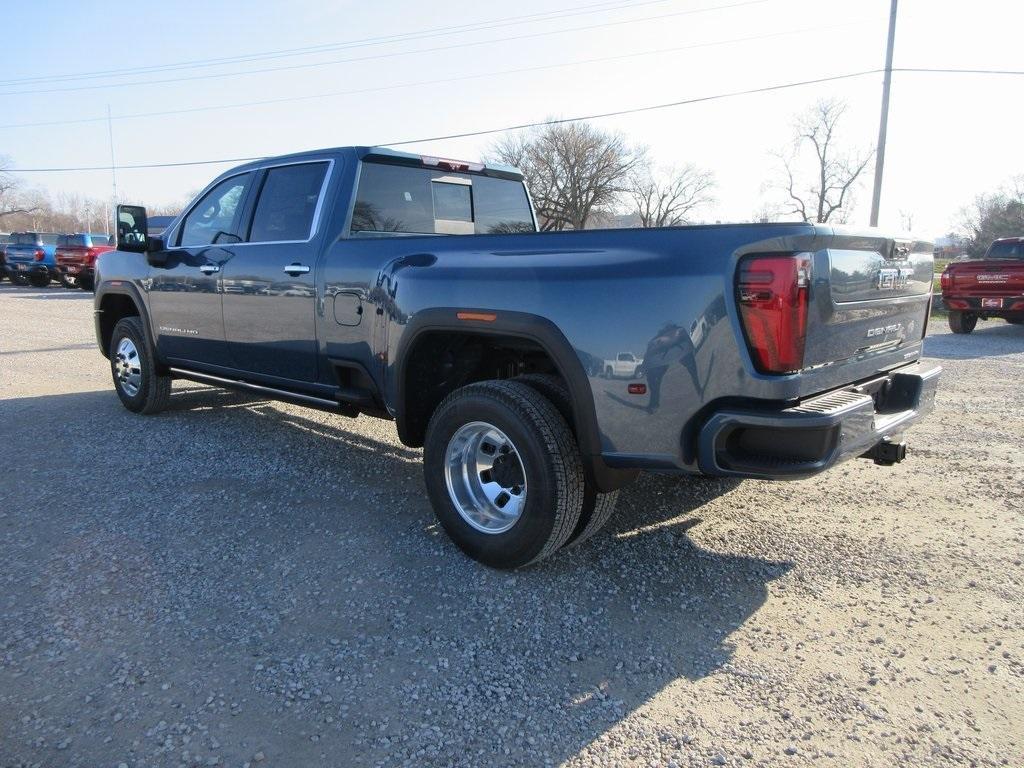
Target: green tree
column 1000, row 214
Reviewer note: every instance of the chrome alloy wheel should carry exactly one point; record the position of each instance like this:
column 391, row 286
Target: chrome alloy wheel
column 485, row 477
column 128, row 367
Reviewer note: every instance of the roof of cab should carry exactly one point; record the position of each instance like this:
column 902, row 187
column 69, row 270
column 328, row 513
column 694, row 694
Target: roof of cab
column 383, row 153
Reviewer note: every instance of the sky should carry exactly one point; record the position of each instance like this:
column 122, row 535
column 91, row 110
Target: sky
column 396, row 70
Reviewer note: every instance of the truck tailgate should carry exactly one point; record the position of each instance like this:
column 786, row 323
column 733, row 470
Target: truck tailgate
column 870, row 296
column 993, row 277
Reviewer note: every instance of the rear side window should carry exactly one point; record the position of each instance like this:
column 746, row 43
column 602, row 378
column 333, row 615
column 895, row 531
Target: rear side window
column 24, row 238
column 215, row 213
column 288, row 202
column 423, row 201
column 1011, row 251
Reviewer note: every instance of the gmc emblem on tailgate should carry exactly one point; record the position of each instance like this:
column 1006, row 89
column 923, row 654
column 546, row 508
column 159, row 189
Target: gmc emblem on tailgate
column 892, row 279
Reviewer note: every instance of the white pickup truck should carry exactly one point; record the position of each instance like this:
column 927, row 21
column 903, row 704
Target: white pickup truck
column 623, row 366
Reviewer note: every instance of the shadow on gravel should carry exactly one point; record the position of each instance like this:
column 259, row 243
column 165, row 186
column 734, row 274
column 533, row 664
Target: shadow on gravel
column 44, row 294
column 67, row 348
column 989, row 339
column 300, row 560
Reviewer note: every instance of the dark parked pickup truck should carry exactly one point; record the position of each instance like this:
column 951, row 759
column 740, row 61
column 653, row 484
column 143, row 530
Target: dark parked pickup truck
column 363, row 280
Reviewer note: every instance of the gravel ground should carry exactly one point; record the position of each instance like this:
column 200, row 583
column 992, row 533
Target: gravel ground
column 238, row 582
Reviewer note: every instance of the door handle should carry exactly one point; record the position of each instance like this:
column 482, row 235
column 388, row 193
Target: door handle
column 296, row 269
column 209, row 269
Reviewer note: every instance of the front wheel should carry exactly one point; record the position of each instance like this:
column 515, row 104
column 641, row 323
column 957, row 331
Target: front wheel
column 139, row 384
column 962, row 322
column 503, row 473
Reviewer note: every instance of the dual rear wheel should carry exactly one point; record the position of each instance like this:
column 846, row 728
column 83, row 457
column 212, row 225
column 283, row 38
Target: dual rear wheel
column 504, row 474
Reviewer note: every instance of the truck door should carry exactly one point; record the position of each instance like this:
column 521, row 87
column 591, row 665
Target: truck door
column 269, row 286
column 184, row 292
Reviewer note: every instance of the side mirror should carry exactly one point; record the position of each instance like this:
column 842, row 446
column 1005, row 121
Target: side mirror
column 132, row 229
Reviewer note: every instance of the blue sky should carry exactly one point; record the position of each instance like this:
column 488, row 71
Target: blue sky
column 951, row 137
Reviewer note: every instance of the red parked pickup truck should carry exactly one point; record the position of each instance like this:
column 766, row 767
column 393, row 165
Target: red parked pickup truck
column 76, row 258
column 992, row 286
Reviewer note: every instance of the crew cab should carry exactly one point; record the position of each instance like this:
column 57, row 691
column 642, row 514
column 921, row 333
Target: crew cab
column 989, row 287
column 76, row 258
column 30, row 258
column 366, row 281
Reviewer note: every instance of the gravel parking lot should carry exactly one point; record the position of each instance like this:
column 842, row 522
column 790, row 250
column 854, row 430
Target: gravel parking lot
column 240, row 582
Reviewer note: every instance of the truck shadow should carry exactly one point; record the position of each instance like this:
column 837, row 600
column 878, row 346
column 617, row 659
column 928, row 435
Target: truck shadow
column 988, row 340
column 311, row 548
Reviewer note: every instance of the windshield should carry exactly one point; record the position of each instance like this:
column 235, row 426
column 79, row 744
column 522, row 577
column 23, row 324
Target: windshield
column 1009, row 250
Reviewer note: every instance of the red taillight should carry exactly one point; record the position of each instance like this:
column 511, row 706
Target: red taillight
column 772, row 292
column 946, row 280
column 90, row 255
column 39, row 254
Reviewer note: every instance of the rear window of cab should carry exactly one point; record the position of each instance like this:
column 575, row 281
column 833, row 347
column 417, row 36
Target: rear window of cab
column 1011, row 250
column 399, row 199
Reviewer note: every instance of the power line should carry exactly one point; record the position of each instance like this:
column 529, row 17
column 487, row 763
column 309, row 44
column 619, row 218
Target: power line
column 934, row 70
column 392, row 54
column 559, row 121
column 438, row 81
column 489, row 131
column 601, row 7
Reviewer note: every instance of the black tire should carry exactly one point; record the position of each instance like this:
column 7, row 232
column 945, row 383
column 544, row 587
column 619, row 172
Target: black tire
column 40, row 278
column 17, row 279
column 597, row 507
column 154, row 390
column 1015, row 320
column 87, row 284
column 550, row 461
column 962, row 322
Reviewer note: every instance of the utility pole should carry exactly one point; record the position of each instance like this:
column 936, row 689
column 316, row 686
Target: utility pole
column 113, row 175
column 876, row 196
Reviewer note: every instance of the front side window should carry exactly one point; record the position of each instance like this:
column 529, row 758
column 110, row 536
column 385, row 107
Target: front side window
column 288, row 203
column 401, row 199
column 216, row 213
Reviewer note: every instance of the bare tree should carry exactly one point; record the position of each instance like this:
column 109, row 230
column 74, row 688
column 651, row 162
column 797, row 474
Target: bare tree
column 11, row 200
column 573, row 170
column 665, row 197
column 827, row 193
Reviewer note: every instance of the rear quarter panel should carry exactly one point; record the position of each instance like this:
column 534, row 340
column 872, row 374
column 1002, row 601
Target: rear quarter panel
column 664, row 295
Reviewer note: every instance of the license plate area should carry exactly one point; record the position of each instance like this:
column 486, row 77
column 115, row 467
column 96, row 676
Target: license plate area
column 991, row 303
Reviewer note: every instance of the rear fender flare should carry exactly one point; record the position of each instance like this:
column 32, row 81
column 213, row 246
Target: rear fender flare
column 534, row 328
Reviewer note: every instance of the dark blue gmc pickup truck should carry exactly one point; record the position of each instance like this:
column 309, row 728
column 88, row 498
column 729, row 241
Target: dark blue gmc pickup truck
column 363, row 280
